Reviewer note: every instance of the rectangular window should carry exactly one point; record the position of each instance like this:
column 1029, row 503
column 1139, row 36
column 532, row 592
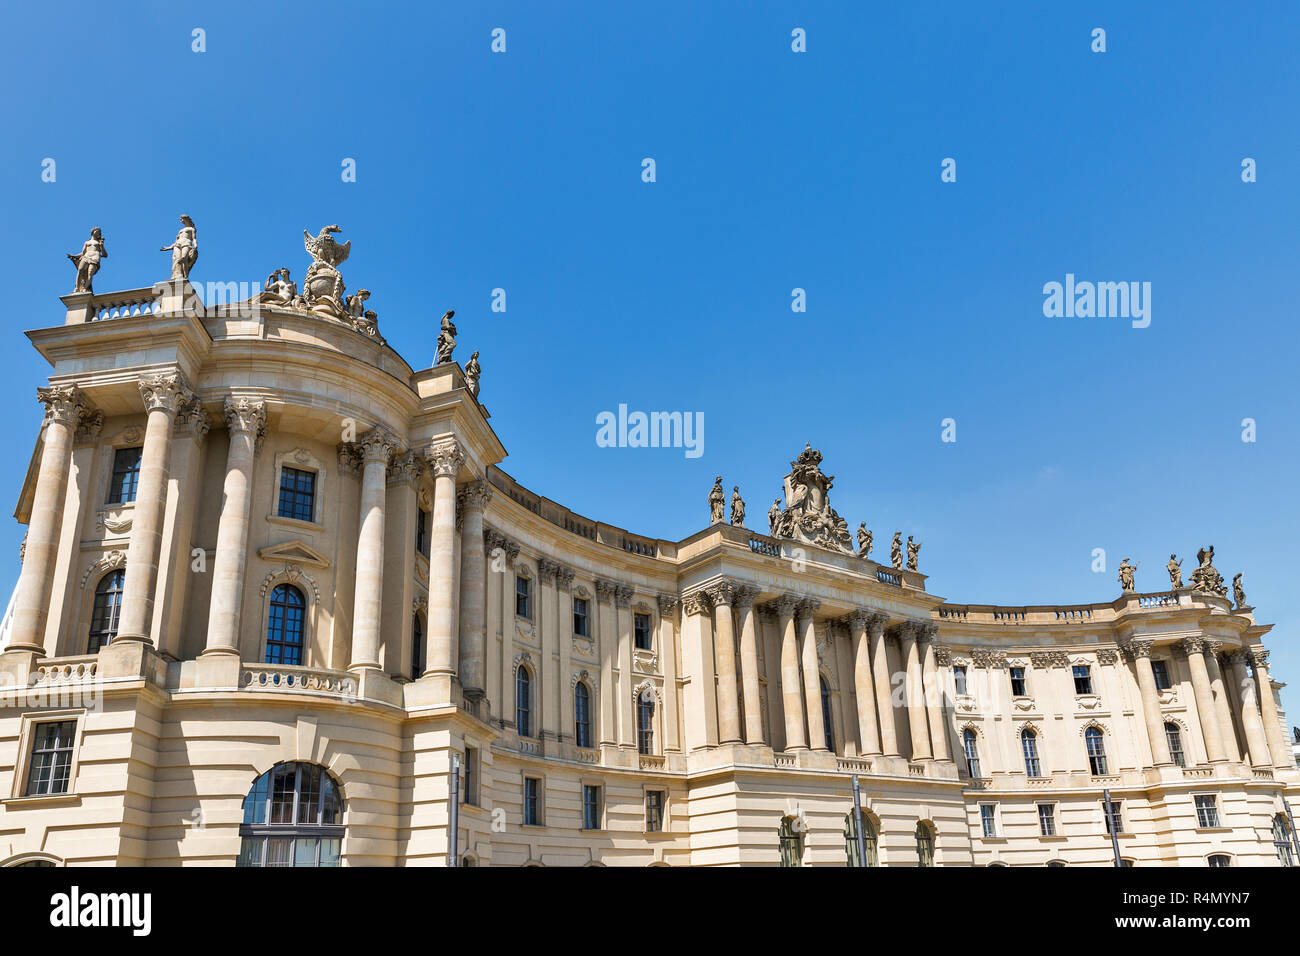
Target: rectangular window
column 126, row 475
column 1082, row 679
column 1160, row 671
column 989, row 819
column 470, row 772
column 50, row 769
column 422, row 531
column 641, row 630
column 297, row 494
column 959, row 677
column 1018, row 682
column 523, row 597
column 1207, row 811
column 1047, row 819
column 1116, row 815
column 580, row 617
column 654, row 811
column 532, row 802
column 590, row 807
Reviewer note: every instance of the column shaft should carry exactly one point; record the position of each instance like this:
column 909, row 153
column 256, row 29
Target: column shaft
column 1139, row 652
column 1282, row 756
column 445, row 460
column 1204, row 694
column 749, row 665
column 376, row 447
column 1222, row 709
column 933, row 697
column 796, row 738
column 916, row 718
column 473, row 590
column 884, row 690
column 724, row 649
column 607, row 733
column 812, row 684
column 1256, row 741
column 863, row 687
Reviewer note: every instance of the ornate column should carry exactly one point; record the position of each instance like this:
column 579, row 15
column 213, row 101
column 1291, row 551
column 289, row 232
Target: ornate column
column 376, row 447
column 1277, row 745
column 184, row 493
column 1194, row 648
column 916, row 719
column 1139, row 654
column 627, row 680
column 812, row 686
column 668, row 604
column 864, row 691
column 65, row 407
column 744, row 604
column 607, row 734
column 510, row 551
column 246, row 421
column 474, row 496
column 1256, row 741
column 724, row 649
column 796, row 737
column 563, row 691
column 1222, row 709
column 928, row 638
column 445, row 458
column 700, row 696
column 884, row 690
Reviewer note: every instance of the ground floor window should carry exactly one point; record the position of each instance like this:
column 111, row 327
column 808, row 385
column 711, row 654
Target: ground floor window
column 791, row 841
column 293, row 816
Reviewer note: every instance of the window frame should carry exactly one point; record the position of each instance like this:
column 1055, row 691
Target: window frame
column 1207, row 817
column 1174, row 742
column 95, row 641
column 1047, row 822
column 959, row 680
column 970, row 751
column 116, row 488
column 293, row 830
column 593, row 810
column 642, row 638
column 925, row 845
column 533, row 801
column 1160, row 673
column 1083, row 685
column 1033, row 762
column 645, row 722
column 304, row 640
column 524, row 596
column 524, row 679
column 583, row 618
column 470, row 766
column 582, row 723
column 1022, row 679
column 297, row 495
column 989, row 821
column 660, row 819
column 1098, row 760
column 1116, row 812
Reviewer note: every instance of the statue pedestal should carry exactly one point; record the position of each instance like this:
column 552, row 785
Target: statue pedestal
column 177, row 295
column 80, row 305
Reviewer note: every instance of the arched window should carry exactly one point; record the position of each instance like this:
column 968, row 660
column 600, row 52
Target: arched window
column 284, row 626
column 1029, row 744
column 1175, row 741
column 645, row 723
column 293, row 816
column 826, row 715
column 1282, row 840
column 1219, row 859
column 582, row 714
column 791, row 841
column 869, row 838
column 1095, row 741
column 924, row 845
column 417, row 648
column 108, row 605
column 524, row 701
column 1055, row 863
column 971, row 748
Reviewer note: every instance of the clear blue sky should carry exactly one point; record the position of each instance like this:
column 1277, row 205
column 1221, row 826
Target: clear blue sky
column 775, row 170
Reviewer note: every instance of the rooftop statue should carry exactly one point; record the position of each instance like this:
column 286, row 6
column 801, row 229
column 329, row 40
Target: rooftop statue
column 446, row 338
column 472, row 372
column 1126, row 575
column 774, row 515
column 896, row 551
column 280, row 289
column 864, row 540
column 913, row 549
column 322, row 287
column 87, row 261
column 1175, row 569
column 1238, row 592
column 717, row 502
column 1206, row 577
column 808, row 515
column 737, row 507
column 184, row 250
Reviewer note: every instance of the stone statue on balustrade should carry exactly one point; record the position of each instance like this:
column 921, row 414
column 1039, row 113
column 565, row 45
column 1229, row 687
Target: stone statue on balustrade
column 717, row 502
column 896, row 551
column 913, row 549
column 1238, row 592
column 472, row 372
column 1206, row 577
column 184, row 249
column 737, row 507
column 1126, row 575
column 774, row 515
column 1175, row 569
column 808, row 515
column 87, row 261
column 280, row 289
column 864, row 541
column 446, row 338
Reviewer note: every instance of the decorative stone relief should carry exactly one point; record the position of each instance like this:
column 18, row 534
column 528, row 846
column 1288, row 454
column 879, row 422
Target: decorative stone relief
column 108, row 562
column 289, row 574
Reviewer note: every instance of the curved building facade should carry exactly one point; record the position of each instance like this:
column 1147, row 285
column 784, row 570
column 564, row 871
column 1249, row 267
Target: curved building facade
column 275, row 585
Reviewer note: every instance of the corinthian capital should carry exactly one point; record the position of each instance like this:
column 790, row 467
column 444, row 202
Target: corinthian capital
column 1192, row 645
column 1134, row 649
column 806, row 608
column 668, row 604
column 1258, row 658
column 245, row 415
column 474, row 495
column 164, row 393
column 445, row 457
column 192, row 419
column 349, row 459
column 378, row 444
column 65, row 404
column 724, row 592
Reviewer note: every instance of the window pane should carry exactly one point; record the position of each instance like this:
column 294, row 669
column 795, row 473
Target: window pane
column 279, row 852
column 250, row 851
column 329, row 852
column 282, row 793
column 126, row 475
column 297, row 494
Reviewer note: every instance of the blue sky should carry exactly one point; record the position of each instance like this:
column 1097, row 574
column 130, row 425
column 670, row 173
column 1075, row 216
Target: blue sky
column 775, row 170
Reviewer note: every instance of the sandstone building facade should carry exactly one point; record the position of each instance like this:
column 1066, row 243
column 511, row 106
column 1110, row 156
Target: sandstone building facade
column 274, row 583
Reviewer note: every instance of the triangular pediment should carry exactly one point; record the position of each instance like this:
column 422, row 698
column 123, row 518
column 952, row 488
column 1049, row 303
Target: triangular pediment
column 295, row 552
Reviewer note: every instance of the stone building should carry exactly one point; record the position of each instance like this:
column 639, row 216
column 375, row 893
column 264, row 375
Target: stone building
column 275, row 581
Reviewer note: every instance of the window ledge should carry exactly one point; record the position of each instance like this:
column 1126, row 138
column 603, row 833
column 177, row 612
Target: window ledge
column 993, row 839
column 43, row 800
column 1058, row 838
column 1214, row 829
column 295, row 523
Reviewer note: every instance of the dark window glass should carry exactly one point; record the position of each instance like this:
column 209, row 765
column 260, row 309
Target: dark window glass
column 417, row 649
column 107, row 607
column 582, row 714
column 284, row 625
column 1047, row 819
column 524, row 702
column 1018, row 682
column 1160, row 671
column 1082, row 679
column 580, row 617
column 50, row 769
column 924, row 845
column 1219, row 859
column 590, row 807
column 654, row 811
column 869, row 839
column 1282, row 841
column 297, row 494
column 988, row 820
column 1175, row 741
column 826, row 715
column 1115, row 815
column 790, row 841
column 126, row 475
column 971, row 747
column 523, row 597
column 959, row 677
column 641, row 630
column 1029, row 743
column 470, row 772
column 293, row 816
column 1095, row 741
column 422, row 531
column 1207, row 811
column 532, row 787
column 645, row 723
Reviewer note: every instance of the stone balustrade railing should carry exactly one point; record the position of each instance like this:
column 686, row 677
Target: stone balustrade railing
column 885, row 576
column 66, row 670
column 124, row 305
column 288, row 678
column 1127, row 603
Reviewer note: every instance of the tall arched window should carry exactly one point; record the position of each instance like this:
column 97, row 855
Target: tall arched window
column 1175, row 741
column 284, row 626
column 293, row 816
column 924, row 845
column 645, row 723
column 524, row 701
column 1095, row 741
column 108, row 605
column 1282, row 841
column 582, row 714
column 1029, row 744
column 791, row 841
column 826, row 715
column 869, row 840
column 969, row 745
column 417, row 648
